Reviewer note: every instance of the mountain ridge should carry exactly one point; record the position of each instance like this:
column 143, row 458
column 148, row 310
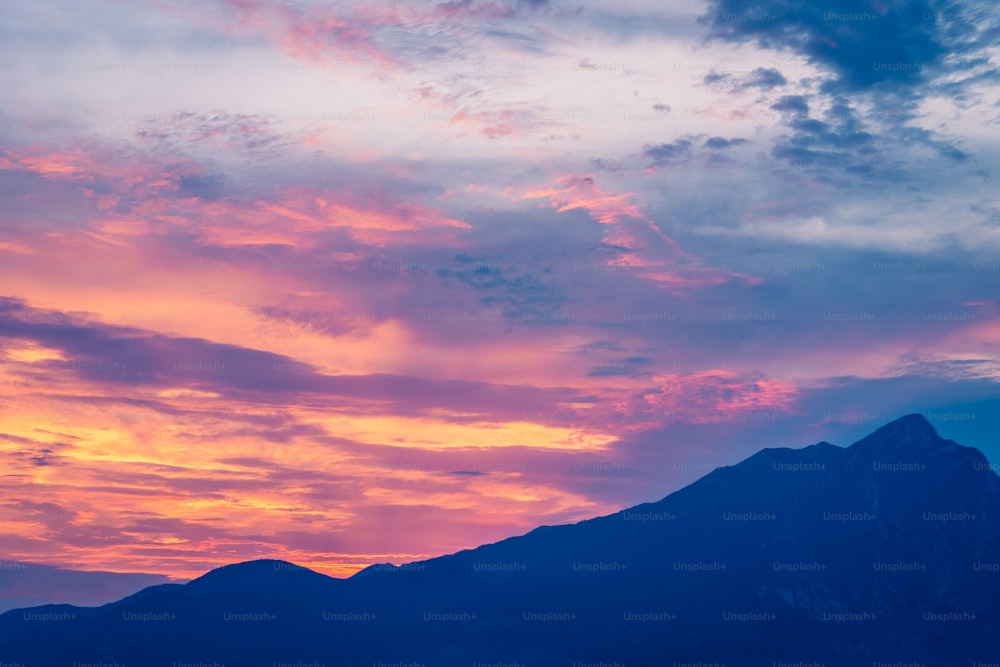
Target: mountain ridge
column 908, row 424
column 837, row 554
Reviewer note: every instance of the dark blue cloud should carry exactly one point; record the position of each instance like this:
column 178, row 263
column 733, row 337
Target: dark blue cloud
column 719, row 143
column 864, row 45
column 843, row 140
column 662, row 155
column 942, row 147
column 765, row 78
column 798, row 104
column 839, row 141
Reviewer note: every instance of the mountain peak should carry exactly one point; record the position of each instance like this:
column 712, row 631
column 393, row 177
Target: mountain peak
column 264, row 574
column 911, row 434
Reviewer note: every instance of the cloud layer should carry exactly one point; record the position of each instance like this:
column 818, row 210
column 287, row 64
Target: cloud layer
column 344, row 284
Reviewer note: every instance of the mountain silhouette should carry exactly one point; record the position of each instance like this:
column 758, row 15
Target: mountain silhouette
column 884, row 552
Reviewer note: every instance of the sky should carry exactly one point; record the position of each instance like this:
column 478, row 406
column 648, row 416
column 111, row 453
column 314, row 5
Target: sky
column 344, row 284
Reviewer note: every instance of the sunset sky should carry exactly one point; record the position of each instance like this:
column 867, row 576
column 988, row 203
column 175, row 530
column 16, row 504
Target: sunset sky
column 350, row 283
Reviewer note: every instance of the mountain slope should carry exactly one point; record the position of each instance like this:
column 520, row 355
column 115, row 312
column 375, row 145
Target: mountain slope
column 880, row 552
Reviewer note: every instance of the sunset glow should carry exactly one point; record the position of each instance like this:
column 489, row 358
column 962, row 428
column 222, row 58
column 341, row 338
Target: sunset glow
column 344, row 285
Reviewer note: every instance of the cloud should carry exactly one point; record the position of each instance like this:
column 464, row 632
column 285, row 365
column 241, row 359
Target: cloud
column 602, row 164
column 765, row 78
column 114, row 355
column 583, row 192
column 796, row 104
column 663, row 155
column 714, row 396
column 863, row 46
column 719, row 143
column 31, row 453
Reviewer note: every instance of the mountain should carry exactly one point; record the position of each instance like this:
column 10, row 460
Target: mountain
column 886, row 552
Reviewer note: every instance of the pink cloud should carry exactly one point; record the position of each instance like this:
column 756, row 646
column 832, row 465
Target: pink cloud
column 647, row 249
column 573, row 192
column 716, row 396
column 309, row 33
